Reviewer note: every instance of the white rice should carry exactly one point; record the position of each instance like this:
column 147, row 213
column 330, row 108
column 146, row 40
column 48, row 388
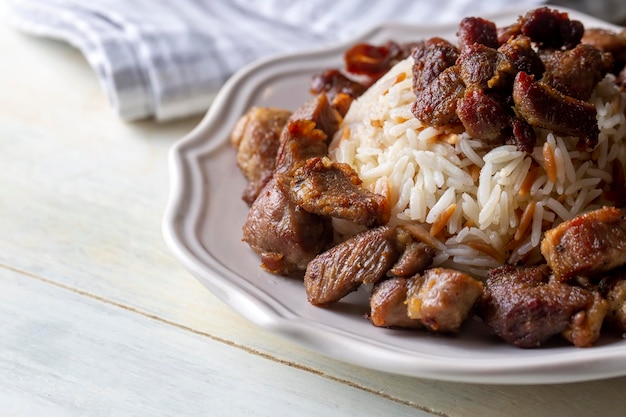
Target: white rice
column 426, row 172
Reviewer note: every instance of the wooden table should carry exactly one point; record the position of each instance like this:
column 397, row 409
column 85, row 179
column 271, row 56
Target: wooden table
column 98, row 319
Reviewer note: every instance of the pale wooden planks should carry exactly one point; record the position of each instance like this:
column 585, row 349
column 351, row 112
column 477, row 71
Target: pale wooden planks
column 63, row 354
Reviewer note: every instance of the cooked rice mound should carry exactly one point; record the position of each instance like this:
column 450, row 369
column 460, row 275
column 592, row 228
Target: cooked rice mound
column 483, row 208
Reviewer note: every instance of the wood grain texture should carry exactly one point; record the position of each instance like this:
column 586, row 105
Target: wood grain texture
column 81, row 200
column 63, row 354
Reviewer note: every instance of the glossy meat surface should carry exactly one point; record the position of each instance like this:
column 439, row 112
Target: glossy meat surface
column 537, row 65
column 613, row 288
column 436, row 104
column 364, row 258
column 477, row 30
column 525, row 308
column 415, row 258
column 281, row 233
column 550, row 28
column 608, row 41
column 388, row 304
column 588, row 244
column 333, row 189
column 484, row 117
column 285, row 237
column 443, row 298
column 431, row 58
column 543, row 106
column 257, row 139
column 575, row 72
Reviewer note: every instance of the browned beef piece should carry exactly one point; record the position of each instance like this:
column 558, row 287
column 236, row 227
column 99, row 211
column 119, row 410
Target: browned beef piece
column 525, row 308
column 547, row 27
column 488, row 76
column 414, row 258
column 575, row 72
column 550, row 28
column 333, row 82
column 319, row 111
column 442, row 299
column 334, row 189
column 307, row 133
column 431, row 58
column 388, row 304
column 522, row 56
column 485, row 117
column 543, row 106
column 522, row 135
column 613, row 288
column 482, row 67
column 300, row 140
column 477, row 30
column 585, row 326
column 364, row 258
column 341, row 102
column 285, row 236
column 608, row 41
column 436, row 104
column 588, row 244
column 256, row 137
column 374, row 61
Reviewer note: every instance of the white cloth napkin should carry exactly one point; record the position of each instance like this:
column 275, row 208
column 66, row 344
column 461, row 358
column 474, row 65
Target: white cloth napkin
column 167, row 58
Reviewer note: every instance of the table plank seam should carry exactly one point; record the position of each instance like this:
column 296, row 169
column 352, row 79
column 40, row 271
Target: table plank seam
column 222, row 340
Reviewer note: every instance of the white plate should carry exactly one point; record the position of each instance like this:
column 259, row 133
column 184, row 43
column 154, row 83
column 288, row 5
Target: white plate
column 202, row 226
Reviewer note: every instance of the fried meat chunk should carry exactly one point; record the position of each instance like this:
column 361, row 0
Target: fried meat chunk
column 608, row 41
column 575, row 72
column 484, row 117
column 256, row 137
column 334, row 189
column 549, row 28
column 543, row 106
column 281, row 233
column 431, row 58
column 442, row 299
column 524, row 307
column 388, row 306
column 476, row 30
column 613, row 289
column 520, row 53
column 483, row 67
column 436, row 104
column 363, row 259
column 584, row 327
column 415, row 257
column 588, row 244
column 333, row 82
column 374, row 61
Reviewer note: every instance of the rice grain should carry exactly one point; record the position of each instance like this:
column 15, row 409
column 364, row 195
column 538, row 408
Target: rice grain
column 442, row 182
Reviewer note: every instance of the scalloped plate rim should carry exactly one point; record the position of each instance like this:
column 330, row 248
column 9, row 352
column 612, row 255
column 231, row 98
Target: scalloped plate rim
column 184, row 212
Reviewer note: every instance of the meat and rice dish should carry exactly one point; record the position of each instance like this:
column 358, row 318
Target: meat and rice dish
column 478, row 176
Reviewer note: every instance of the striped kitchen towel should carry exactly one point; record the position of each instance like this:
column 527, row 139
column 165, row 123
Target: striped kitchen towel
column 167, row 58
